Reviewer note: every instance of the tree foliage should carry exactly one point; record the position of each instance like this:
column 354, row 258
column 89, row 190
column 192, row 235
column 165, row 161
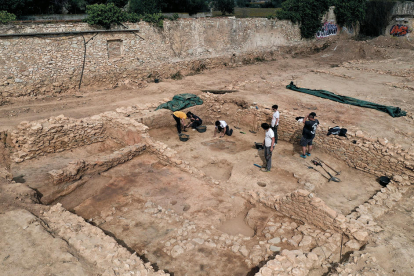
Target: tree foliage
column 6, row 17
column 105, row 15
column 225, row 6
column 14, row 6
column 144, row 6
column 349, row 12
column 308, row 13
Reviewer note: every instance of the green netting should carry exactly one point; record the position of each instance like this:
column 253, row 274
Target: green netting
column 393, row 111
column 181, row 101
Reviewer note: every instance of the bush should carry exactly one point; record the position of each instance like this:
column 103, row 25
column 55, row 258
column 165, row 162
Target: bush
column 105, row 15
column 133, row 17
column 156, row 18
column 6, row 17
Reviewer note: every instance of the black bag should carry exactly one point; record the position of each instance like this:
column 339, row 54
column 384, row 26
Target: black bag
column 334, row 130
column 342, row 132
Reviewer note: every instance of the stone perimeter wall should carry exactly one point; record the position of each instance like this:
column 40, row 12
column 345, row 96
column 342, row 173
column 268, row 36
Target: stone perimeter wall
column 53, row 64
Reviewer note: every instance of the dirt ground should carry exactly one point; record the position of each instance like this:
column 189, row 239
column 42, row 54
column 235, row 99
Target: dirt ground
column 378, row 70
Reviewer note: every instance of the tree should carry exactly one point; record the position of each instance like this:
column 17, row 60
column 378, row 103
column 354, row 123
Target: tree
column 6, row 17
column 308, row 13
column 144, row 6
column 195, row 6
column 14, row 6
column 104, row 15
column 350, row 12
column 225, row 6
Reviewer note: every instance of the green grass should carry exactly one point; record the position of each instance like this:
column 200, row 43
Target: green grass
column 249, row 12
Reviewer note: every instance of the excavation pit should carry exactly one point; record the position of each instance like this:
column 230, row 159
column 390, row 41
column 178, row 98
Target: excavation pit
column 200, row 207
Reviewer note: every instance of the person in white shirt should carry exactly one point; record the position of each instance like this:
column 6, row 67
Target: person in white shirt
column 222, row 128
column 275, row 121
column 269, row 143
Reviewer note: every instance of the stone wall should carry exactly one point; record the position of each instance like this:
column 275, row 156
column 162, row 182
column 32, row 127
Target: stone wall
column 94, row 246
column 54, row 63
column 57, row 134
column 373, row 155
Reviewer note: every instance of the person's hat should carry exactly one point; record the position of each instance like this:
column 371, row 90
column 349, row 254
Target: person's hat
column 313, row 114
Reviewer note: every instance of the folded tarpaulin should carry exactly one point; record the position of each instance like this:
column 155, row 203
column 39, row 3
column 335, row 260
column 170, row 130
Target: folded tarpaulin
column 393, row 111
column 181, row 101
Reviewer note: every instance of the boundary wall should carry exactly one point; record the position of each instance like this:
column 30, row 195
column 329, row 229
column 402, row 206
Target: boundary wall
column 53, row 63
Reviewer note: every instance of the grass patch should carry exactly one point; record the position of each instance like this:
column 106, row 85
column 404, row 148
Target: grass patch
column 250, row 12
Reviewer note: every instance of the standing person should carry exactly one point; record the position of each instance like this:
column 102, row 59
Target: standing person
column 195, row 121
column 222, row 128
column 275, row 121
column 269, row 143
column 309, row 129
column 179, row 117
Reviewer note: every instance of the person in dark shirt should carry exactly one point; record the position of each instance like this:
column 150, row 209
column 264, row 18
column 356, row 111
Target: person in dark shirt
column 195, row 121
column 308, row 134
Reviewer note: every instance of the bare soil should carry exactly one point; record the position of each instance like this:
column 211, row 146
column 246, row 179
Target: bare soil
column 378, row 70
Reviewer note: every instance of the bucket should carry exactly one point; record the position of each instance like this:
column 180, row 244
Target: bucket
column 383, row 180
column 201, row 129
column 184, row 137
column 259, row 145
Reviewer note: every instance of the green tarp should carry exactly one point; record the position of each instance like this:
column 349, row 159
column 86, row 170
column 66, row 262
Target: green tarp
column 181, row 101
column 393, row 111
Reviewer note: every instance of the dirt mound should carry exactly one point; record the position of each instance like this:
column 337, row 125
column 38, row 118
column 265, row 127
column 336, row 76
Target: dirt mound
column 392, row 42
column 340, row 51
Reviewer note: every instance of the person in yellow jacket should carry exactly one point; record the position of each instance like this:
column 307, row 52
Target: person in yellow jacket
column 179, row 117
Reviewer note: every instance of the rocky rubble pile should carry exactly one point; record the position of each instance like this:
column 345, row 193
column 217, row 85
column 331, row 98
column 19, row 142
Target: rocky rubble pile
column 359, row 263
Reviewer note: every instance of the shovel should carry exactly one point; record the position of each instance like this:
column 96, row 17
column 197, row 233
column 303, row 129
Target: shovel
column 312, row 168
column 333, row 178
column 337, row 173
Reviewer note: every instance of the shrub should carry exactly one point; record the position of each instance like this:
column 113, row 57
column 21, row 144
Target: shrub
column 133, row 17
column 105, row 15
column 156, row 18
column 6, row 17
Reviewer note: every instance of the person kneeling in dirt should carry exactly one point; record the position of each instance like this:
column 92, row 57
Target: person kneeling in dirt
column 195, row 121
column 179, row 117
column 222, row 128
column 269, row 143
column 308, row 133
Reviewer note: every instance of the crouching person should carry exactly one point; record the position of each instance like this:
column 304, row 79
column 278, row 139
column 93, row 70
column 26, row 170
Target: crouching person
column 269, row 143
column 222, row 129
column 195, row 121
column 179, row 118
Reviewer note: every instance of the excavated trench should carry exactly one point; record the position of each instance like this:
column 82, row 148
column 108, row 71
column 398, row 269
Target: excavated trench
column 187, row 207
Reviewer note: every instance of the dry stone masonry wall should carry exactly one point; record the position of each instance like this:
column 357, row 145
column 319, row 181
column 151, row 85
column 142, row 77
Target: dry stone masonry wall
column 372, row 155
column 57, row 134
column 53, row 63
column 96, row 247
